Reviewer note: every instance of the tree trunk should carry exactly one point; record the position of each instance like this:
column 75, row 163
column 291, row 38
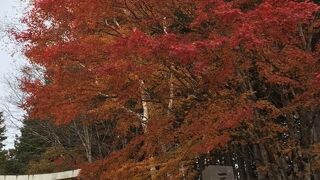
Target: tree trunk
column 145, row 113
column 85, row 139
column 171, row 93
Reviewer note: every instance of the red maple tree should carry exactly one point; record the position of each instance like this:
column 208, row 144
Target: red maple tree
column 186, row 75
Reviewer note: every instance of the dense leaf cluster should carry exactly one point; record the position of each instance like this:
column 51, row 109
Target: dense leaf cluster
column 181, row 83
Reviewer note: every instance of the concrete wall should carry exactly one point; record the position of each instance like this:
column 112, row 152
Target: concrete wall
column 51, row 176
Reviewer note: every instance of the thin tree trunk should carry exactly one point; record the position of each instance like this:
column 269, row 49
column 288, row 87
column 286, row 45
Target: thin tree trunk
column 241, row 161
column 248, row 162
column 145, row 113
column 98, row 141
column 171, row 93
column 85, row 140
column 261, row 161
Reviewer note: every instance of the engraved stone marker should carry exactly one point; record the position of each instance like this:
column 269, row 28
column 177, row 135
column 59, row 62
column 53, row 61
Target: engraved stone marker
column 218, row 173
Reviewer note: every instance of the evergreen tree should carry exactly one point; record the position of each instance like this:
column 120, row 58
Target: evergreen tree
column 2, row 139
column 2, row 131
column 28, row 147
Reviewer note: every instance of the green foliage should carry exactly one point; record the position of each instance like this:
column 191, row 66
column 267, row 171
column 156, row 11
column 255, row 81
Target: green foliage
column 54, row 159
column 11, row 166
column 29, row 146
column 2, row 131
column 2, row 160
column 3, row 156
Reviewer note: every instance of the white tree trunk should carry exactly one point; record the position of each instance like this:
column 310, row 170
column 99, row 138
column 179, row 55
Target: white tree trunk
column 145, row 113
column 85, row 140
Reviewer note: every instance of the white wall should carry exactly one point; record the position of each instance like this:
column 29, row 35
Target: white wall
column 51, row 176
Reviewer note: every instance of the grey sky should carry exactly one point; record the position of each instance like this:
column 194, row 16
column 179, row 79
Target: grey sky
column 10, row 62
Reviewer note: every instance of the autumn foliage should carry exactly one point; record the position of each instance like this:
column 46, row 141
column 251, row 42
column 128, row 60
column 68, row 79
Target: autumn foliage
column 181, row 81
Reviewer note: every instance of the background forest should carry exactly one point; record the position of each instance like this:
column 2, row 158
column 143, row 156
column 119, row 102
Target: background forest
column 134, row 89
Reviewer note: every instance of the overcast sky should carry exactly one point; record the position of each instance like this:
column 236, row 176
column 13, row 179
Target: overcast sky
column 10, row 62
